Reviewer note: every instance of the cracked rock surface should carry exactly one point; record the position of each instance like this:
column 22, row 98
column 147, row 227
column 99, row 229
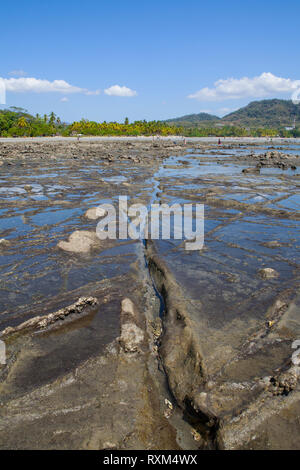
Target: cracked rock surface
column 119, row 344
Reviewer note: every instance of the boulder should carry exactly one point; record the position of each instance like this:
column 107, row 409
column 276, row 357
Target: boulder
column 80, row 241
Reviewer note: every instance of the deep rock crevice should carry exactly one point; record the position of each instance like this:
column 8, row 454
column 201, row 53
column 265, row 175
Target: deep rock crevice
column 180, row 354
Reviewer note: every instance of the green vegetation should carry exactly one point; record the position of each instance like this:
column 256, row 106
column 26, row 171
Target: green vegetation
column 114, row 128
column 235, row 131
column 194, row 120
column 17, row 122
column 274, row 114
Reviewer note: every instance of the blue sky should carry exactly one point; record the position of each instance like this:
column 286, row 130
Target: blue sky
column 167, row 54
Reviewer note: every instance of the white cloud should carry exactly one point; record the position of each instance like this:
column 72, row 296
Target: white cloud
column 257, row 87
column 64, row 99
column 36, row 85
column 18, row 73
column 117, row 90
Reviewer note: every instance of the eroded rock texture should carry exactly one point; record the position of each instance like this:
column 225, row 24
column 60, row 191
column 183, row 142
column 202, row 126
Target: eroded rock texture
column 125, row 344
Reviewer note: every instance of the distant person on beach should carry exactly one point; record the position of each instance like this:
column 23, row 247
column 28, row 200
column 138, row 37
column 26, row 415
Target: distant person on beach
column 219, row 142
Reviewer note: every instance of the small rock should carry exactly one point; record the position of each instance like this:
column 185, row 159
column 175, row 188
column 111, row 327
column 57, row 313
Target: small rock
column 296, row 358
column 272, row 244
column 251, row 171
column 109, row 445
column 91, row 214
column 286, row 382
column 196, row 435
column 268, row 273
column 4, row 242
column 131, row 337
column 80, row 242
column 127, row 307
column 95, row 213
column 169, row 404
column 157, row 327
column 168, row 413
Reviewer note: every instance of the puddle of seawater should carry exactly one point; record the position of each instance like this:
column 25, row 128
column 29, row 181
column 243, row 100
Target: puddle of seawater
column 173, row 168
column 279, row 171
column 115, row 179
column 50, row 217
column 291, row 203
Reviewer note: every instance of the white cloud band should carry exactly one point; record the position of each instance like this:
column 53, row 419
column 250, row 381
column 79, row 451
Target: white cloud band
column 36, row 85
column 264, row 85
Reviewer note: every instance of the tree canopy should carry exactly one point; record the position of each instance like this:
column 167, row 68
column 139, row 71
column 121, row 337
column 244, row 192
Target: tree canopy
column 17, row 122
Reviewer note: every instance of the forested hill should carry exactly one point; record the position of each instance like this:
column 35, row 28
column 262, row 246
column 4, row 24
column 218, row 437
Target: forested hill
column 266, row 113
column 193, row 119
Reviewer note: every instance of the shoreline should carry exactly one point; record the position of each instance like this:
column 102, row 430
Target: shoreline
column 151, row 138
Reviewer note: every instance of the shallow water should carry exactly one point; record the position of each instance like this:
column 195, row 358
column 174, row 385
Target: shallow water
column 33, row 270
column 34, row 220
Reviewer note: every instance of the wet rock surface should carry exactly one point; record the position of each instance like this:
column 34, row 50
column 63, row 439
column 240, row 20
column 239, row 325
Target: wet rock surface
column 175, row 348
column 46, row 320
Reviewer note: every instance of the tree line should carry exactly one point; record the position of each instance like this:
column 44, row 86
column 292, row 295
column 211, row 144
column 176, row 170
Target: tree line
column 17, row 122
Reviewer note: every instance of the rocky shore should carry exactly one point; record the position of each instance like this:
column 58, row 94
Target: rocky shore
column 124, row 344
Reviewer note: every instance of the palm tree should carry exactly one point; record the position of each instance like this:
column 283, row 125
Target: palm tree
column 52, row 118
column 22, row 122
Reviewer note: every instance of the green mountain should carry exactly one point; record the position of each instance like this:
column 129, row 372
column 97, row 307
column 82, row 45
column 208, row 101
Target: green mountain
column 267, row 113
column 193, row 120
